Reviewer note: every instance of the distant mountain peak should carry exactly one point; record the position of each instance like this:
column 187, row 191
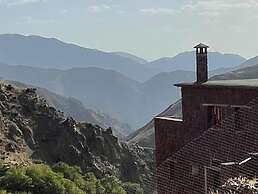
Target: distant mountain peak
column 131, row 57
column 186, row 61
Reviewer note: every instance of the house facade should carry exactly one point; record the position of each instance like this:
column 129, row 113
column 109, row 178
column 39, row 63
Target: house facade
column 216, row 138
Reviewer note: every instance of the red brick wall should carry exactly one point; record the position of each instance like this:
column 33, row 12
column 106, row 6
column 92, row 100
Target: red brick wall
column 194, row 115
column 170, row 135
column 167, row 138
column 225, row 143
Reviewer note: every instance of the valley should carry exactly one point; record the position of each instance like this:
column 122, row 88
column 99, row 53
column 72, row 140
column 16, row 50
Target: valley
column 126, row 87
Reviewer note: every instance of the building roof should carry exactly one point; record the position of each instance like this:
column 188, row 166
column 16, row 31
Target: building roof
column 201, row 45
column 243, row 83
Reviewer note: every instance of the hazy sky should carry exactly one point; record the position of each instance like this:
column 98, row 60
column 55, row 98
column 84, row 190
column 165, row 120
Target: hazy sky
column 148, row 28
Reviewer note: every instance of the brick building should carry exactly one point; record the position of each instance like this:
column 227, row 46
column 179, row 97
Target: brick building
column 216, row 138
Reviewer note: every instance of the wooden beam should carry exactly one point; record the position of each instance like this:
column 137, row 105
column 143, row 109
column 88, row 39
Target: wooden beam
column 241, row 106
column 228, row 105
column 217, row 105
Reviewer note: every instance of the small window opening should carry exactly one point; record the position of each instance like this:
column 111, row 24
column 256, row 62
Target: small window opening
column 215, row 115
column 195, row 170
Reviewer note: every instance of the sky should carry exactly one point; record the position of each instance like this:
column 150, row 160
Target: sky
column 148, row 28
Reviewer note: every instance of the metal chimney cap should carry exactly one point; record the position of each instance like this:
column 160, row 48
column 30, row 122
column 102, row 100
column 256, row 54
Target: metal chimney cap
column 201, row 45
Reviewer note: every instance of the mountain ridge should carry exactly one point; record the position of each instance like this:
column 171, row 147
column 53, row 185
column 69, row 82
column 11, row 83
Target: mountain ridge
column 185, row 61
column 74, row 108
column 104, row 90
column 37, row 51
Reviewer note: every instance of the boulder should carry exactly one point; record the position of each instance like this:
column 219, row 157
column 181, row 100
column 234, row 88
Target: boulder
column 14, row 130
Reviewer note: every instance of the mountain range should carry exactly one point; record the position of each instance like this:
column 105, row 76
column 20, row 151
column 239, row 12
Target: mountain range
column 124, row 86
column 113, row 93
column 36, row 51
column 250, row 62
column 249, row 72
column 186, row 61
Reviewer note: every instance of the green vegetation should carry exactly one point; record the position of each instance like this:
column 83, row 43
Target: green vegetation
column 133, row 188
column 59, row 179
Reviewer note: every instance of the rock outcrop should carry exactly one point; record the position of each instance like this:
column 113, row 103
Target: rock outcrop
column 32, row 131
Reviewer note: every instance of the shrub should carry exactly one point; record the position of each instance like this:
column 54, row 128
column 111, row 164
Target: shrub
column 133, row 188
column 16, row 179
column 37, row 179
column 60, row 179
column 4, row 192
column 112, row 185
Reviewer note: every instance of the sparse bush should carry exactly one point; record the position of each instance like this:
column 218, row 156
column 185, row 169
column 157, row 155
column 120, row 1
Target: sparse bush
column 133, row 188
column 112, row 185
column 3, row 192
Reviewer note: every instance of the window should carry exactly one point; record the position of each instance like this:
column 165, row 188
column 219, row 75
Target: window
column 195, row 169
column 216, row 114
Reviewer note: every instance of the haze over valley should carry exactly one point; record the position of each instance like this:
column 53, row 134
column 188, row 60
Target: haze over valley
column 124, row 86
column 128, row 97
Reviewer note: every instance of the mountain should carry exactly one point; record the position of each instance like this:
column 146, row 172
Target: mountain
column 113, row 93
column 110, row 82
column 122, row 98
column 74, row 108
column 160, row 92
column 145, row 136
column 131, row 57
column 31, row 131
column 250, row 72
column 186, row 61
column 36, row 51
column 250, row 62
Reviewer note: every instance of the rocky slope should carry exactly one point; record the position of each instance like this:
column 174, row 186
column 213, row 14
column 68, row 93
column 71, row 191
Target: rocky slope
column 74, row 108
column 120, row 97
column 31, row 130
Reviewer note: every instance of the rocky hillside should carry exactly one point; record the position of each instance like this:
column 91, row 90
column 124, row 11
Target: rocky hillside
column 145, row 136
column 74, row 108
column 31, row 130
column 113, row 93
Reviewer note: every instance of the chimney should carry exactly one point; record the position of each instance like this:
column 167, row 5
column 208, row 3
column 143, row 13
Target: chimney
column 201, row 63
